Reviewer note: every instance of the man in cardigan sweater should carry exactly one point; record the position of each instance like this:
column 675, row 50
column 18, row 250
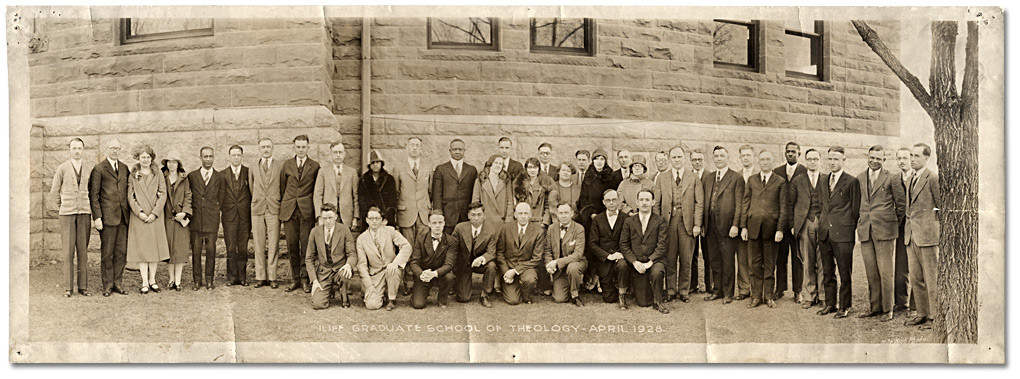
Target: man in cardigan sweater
column 70, row 197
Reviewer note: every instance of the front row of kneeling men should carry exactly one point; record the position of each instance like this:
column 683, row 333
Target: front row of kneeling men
column 510, row 255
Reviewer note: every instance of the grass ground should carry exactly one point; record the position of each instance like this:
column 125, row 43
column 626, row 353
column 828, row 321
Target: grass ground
column 266, row 315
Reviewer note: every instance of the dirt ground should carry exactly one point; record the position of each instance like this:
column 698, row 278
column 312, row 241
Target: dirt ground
column 264, row 315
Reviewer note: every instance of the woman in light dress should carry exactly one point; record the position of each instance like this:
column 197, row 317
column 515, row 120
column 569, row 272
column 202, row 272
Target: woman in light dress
column 147, row 244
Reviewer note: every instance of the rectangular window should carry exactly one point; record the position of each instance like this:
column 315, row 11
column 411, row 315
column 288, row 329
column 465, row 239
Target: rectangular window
column 572, row 36
column 463, row 33
column 735, row 44
column 804, row 53
column 151, row 29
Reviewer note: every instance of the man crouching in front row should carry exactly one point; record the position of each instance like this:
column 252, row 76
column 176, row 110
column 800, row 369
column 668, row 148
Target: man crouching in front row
column 380, row 264
column 432, row 260
column 329, row 258
column 518, row 252
column 643, row 244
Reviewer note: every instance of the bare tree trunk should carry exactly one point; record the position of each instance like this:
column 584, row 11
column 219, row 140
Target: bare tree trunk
column 956, row 142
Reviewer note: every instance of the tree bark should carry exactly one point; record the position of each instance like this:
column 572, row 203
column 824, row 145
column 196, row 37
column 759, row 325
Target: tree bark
column 955, row 119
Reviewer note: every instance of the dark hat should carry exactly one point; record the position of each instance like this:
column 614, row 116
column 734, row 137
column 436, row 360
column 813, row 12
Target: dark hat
column 600, row 151
column 374, row 156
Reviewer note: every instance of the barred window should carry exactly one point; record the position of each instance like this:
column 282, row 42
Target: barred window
column 463, row 33
column 151, row 29
column 735, row 44
column 804, row 53
column 572, row 36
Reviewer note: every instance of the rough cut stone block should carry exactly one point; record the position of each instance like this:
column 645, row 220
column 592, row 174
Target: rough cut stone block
column 675, row 82
column 620, row 78
column 202, row 60
column 113, row 102
column 510, row 72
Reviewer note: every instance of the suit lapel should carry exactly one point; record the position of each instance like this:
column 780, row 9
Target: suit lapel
column 922, row 179
column 882, row 177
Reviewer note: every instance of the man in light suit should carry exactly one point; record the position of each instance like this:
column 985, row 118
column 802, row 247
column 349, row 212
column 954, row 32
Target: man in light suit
column 643, row 243
column 604, row 247
column 265, row 214
column 382, row 255
column 108, row 200
column 724, row 197
column 882, row 203
column 518, row 253
column 475, row 241
column 235, row 209
column 841, row 206
column 904, row 301
column 453, row 183
column 297, row 208
column 921, row 233
column 206, row 194
column 679, row 199
column 698, row 167
column 432, row 258
column 789, row 246
column 330, row 259
column 338, row 183
column 564, row 257
column 763, row 219
column 413, row 183
column 512, row 167
column 806, row 201
column 69, row 195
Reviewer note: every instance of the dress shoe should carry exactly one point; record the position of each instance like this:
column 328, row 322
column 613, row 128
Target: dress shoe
column 779, row 295
column 754, row 303
column 623, row 302
column 799, row 299
column 106, row 293
column 120, row 291
column 405, row 292
column 740, row 297
column 771, row 303
column 869, row 315
column 727, row 300
column 345, row 304
column 209, row 286
column 808, row 304
column 154, row 288
column 485, row 301
column 306, row 285
column 925, row 326
column 661, row 308
column 842, row 313
column 899, row 308
column 670, row 297
column 915, row 321
column 177, row 287
column 294, row 286
column 259, row 283
column 84, row 293
column 527, row 301
column 68, row 293
column 684, row 298
column 712, row 297
column 577, row 301
column 547, row 293
column 888, row 317
column 194, row 287
column 231, row 283
column 274, row 285
column 244, row 283
column 144, row 290
column 826, row 310
column 391, row 306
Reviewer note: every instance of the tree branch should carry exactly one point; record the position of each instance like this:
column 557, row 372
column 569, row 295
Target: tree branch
column 871, row 38
column 969, row 90
column 942, row 77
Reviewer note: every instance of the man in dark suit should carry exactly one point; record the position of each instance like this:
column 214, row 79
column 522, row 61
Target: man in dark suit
column 604, row 247
column 564, row 256
column 724, row 196
column 108, row 200
column 453, row 183
column 432, row 258
column 643, row 241
column 788, row 247
column 518, row 253
column 921, row 232
column 235, row 207
column 206, row 191
column 841, row 206
column 679, row 199
column 882, row 205
column 623, row 157
column 904, row 301
column 512, row 167
column 545, row 162
column 330, row 259
column 475, row 241
column 807, row 204
column 297, row 187
column 762, row 221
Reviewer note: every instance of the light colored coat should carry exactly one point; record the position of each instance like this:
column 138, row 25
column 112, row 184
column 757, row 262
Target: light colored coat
column 881, row 207
column 566, row 250
column 922, row 226
column 414, row 201
column 691, row 198
column 68, row 196
column 345, row 197
column 498, row 201
column 372, row 258
column 265, row 189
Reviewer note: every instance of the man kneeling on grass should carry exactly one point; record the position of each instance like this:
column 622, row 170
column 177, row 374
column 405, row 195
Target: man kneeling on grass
column 380, row 264
column 518, row 252
column 564, row 256
column 432, row 262
column 329, row 258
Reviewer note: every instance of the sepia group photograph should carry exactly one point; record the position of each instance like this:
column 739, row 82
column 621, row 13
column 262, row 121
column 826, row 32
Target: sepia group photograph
column 506, row 184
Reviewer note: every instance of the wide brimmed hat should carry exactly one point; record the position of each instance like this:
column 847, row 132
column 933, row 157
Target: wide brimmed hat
column 173, row 155
column 374, row 156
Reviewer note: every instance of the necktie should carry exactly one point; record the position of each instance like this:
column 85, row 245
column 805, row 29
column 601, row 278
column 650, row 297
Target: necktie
column 205, row 176
column 457, row 168
column 300, row 168
column 265, row 166
column 814, row 181
column 329, row 236
column 832, row 182
column 474, row 237
column 415, row 170
column 115, row 168
column 764, row 179
column 718, row 177
column 913, row 181
column 678, row 178
column 520, row 235
column 329, row 252
column 339, row 173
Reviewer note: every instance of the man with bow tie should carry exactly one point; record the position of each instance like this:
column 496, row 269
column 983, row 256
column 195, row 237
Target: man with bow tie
column 330, row 259
column 432, row 259
column 564, row 256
